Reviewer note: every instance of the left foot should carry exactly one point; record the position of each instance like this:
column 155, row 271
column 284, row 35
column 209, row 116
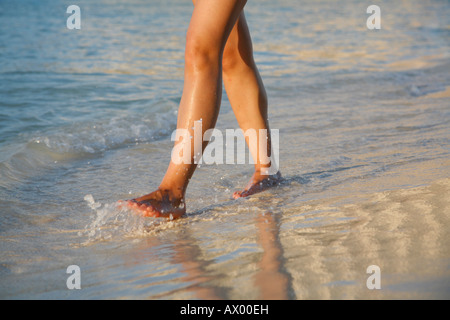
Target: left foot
column 258, row 183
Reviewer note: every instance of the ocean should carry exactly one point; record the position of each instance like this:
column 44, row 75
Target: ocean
column 86, row 117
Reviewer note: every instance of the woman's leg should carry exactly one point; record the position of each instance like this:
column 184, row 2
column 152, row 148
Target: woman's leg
column 248, row 99
column 209, row 28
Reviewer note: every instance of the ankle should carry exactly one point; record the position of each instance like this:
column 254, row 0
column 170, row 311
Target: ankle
column 174, row 195
column 265, row 170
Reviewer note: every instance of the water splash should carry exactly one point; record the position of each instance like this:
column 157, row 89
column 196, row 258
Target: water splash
column 114, row 221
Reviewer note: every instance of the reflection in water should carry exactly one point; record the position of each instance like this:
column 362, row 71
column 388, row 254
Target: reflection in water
column 327, row 246
column 192, row 275
column 273, row 281
column 196, row 276
column 189, row 256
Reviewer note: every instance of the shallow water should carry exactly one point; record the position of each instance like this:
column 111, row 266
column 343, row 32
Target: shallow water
column 86, row 118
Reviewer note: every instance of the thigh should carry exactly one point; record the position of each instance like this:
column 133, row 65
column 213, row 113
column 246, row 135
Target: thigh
column 212, row 22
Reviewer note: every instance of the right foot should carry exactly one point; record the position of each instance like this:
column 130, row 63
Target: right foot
column 159, row 203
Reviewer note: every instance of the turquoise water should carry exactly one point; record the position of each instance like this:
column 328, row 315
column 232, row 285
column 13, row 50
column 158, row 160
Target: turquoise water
column 86, row 118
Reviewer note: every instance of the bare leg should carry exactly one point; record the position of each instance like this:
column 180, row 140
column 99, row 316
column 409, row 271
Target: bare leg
column 209, row 28
column 248, row 99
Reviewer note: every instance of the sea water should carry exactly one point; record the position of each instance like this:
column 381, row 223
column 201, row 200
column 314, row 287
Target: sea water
column 86, row 118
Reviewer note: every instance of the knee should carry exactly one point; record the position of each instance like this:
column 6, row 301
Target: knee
column 230, row 59
column 199, row 54
column 237, row 59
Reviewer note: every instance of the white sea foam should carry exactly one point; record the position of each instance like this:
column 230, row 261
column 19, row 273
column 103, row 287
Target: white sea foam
column 113, row 220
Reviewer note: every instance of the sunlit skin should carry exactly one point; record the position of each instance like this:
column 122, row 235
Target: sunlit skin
column 258, row 183
column 218, row 48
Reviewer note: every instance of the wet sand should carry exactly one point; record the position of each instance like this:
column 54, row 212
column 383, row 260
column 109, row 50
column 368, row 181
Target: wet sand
column 404, row 232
